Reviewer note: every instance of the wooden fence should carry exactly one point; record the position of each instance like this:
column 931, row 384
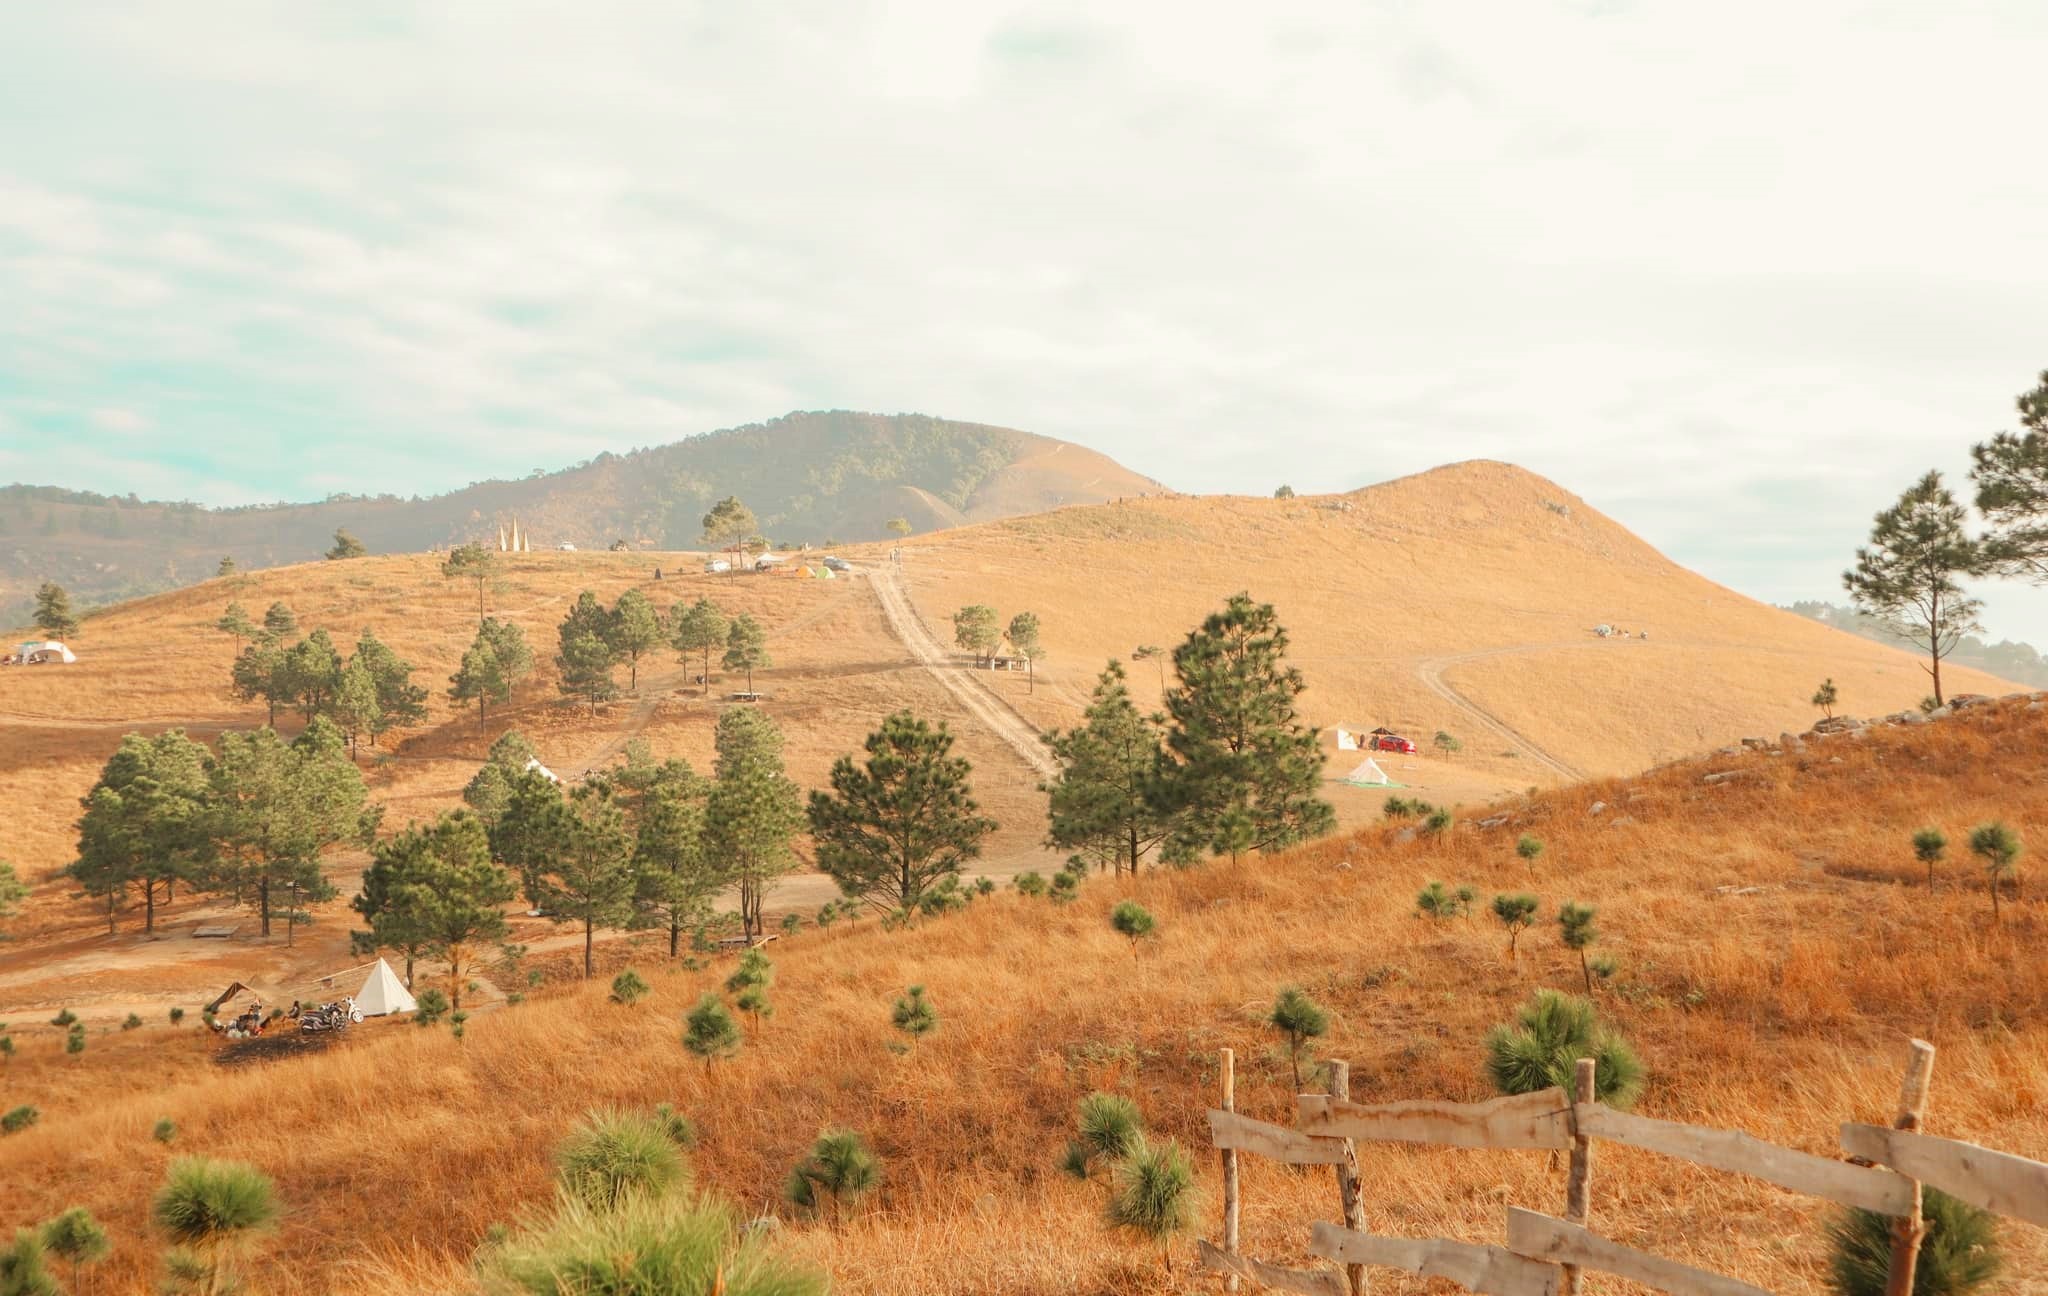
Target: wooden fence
column 1544, row 1255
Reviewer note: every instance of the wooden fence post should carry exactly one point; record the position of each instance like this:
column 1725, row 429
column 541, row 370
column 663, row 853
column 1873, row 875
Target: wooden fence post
column 1578, row 1188
column 1909, row 1229
column 1228, row 1068
column 1347, row 1177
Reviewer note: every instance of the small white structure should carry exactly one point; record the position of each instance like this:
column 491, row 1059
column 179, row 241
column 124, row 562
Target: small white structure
column 1346, row 740
column 1369, row 775
column 44, row 652
column 533, row 764
column 384, row 994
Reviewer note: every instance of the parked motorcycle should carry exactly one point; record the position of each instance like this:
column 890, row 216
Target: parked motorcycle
column 330, row 1016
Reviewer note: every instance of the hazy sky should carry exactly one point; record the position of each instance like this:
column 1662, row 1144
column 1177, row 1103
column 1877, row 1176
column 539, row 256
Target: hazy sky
column 1736, row 272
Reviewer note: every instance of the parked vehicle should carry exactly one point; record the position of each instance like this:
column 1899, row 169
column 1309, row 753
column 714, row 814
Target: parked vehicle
column 838, row 564
column 1393, row 743
column 717, row 565
column 330, row 1016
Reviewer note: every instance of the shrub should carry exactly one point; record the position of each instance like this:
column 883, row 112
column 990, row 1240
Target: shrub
column 649, row 1246
column 76, row 1238
column 74, row 1040
column 1300, row 1019
column 177, row 1016
column 628, row 988
column 839, row 1167
column 1029, row 883
column 710, row 1032
column 430, row 1007
column 6, row 1046
column 1438, row 823
column 1066, row 887
column 1442, row 903
column 1529, row 847
column 1154, row 1193
column 133, row 1022
column 1541, row 1049
column 1575, row 928
column 22, row 1267
column 792, row 923
column 1110, row 1127
column 19, row 1119
column 1132, row 920
column 1999, row 847
column 64, row 1017
column 984, row 886
column 676, row 1125
column 914, row 1015
column 1516, row 913
column 1958, row 1254
column 1929, row 845
column 210, row 1206
column 613, row 1155
column 165, row 1130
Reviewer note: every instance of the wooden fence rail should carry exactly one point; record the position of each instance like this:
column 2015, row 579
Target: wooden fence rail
column 1544, row 1254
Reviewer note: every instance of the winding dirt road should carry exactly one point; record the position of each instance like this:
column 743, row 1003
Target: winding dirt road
column 1431, row 673
column 980, row 702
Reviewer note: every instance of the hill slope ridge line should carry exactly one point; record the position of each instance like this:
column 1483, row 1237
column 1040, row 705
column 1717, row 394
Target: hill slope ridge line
column 1431, row 673
column 992, row 711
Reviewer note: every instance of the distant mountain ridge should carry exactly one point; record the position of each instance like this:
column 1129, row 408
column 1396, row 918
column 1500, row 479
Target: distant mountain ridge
column 2019, row 662
column 809, row 476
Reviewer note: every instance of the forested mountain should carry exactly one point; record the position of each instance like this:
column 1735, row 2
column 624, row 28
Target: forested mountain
column 808, row 476
column 2008, row 659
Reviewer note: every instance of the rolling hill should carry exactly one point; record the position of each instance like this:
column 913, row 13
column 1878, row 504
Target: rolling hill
column 826, row 476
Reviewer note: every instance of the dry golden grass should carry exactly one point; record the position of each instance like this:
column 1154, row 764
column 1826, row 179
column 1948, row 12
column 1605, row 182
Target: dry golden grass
column 1782, row 1012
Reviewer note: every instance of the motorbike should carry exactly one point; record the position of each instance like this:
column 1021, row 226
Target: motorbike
column 330, row 1016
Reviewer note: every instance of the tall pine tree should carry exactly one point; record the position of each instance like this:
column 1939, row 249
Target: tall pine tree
column 1104, row 806
column 636, row 628
column 1243, row 770
column 753, row 812
column 903, row 822
column 145, row 822
column 1909, row 575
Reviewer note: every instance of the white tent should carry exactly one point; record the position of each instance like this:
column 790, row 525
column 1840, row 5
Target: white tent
column 44, row 651
column 1369, row 775
column 533, row 764
column 1346, row 740
column 384, row 994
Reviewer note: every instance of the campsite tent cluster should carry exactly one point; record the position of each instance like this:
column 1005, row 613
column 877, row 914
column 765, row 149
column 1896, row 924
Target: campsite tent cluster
column 39, row 652
column 1368, row 774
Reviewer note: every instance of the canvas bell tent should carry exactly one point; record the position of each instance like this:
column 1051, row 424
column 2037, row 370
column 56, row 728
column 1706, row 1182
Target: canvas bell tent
column 384, row 994
column 1369, row 775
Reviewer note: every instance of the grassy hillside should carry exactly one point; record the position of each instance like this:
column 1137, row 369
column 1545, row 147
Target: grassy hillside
column 1478, row 581
column 808, row 476
column 1776, row 947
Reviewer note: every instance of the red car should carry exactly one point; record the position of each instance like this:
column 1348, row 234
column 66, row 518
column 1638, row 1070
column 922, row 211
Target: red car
column 1392, row 743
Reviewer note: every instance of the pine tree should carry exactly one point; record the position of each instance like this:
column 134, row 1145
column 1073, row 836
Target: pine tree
column 279, row 624
column 710, row 1032
column 676, row 879
column 530, row 830
column 1959, row 1252
column 471, row 562
column 226, row 567
column 76, row 1238
column 1541, row 1049
column 276, row 808
column 1575, row 928
column 586, row 666
column 1825, row 698
column 1132, row 921
column 445, row 896
column 1999, row 847
column 53, row 611
column 901, row 823
column 1300, row 1019
column 400, row 702
column 355, row 703
column 914, row 1015
column 1104, row 804
column 311, row 674
column 2011, row 475
column 590, row 878
column 636, row 628
column 1517, row 913
column 260, row 672
column 146, row 822
column 212, row 1208
column 1908, row 576
column 976, row 629
column 731, row 525
column 1244, row 770
column 1154, row 1195
column 698, row 629
column 497, row 660
column 234, row 621
column 840, row 1168
column 345, row 546
column 491, row 786
column 1025, row 640
column 746, row 647
column 1929, row 845
column 753, row 812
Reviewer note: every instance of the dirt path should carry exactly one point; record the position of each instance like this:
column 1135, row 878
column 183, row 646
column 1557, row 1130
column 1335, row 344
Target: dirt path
column 1431, row 673
column 984, row 705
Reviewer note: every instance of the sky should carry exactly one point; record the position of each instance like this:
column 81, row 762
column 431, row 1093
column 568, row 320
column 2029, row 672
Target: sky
column 1735, row 273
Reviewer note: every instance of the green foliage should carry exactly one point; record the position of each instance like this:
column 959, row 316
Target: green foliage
column 840, row 1167
column 587, row 876
column 710, row 1032
column 1959, row 1253
column 435, row 891
column 613, row 1155
column 471, row 562
column 53, row 611
column 903, row 822
column 753, row 813
column 23, row 1271
column 977, row 629
column 74, row 1040
column 2011, row 475
column 628, row 988
column 1300, row 1019
column 746, row 647
column 177, row 1016
column 647, row 1246
column 676, row 1125
column 1551, row 1033
column 345, row 546
column 1999, row 847
column 698, row 629
column 64, row 1017
column 1110, row 1128
column 279, row 622
column 18, row 1119
column 132, row 1022
column 1104, row 803
column 1825, row 697
column 430, row 1006
column 792, row 923
column 1133, row 920
column 730, row 524
column 76, row 1238
column 1029, row 883
column 1438, row 822
column 1517, row 913
column 1909, row 574
column 1446, row 743
column 1154, row 1192
column 1575, row 927
column 914, row 1014
column 1065, row 888
column 585, row 662
column 1284, row 492
column 1529, row 847
column 164, row 1130
column 1243, row 770
column 898, row 526
column 235, row 623
column 212, row 1206
column 1442, row 903
column 493, row 666
column 147, row 823
column 755, row 969
column 1397, row 807
column 277, row 808
column 635, row 628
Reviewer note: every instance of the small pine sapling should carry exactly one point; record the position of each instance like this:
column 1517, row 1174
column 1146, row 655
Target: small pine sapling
column 132, row 1022
column 1066, row 887
column 165, row 1130
column 18, row 1119
column 1999, row 847
column 430, row 1007
column 1134, row 921
column 76, row 1238
column 1517, row 913
column 839, row 1168
column 1154, row 1195
column 1529, row 846
column 984, row 886
column 1575, row 928
column 754, row 1002
column 1029, row 883
column 792, row 923
column 1300, row 1019
column 1108, row 1127
column 914, row 1015
column 1438, row 824
column 177, row 1016
column 1825, row 698
column 1959, row 1252
column 74, row 1039
column 628, row 988
column 676, row 1125
column 615, row 1155
column 710, row 1032
column 64, row 1017
column 1929, row 845
column 1541, row 1049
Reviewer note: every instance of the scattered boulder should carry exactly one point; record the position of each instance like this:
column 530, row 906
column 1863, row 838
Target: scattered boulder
column 1964, row 701
column 1912, row 718
column 1838, row 724
column 1939, row 712
column 1596, row 809
column 1724, row 776
column 1495, row 822
column 1755, row 744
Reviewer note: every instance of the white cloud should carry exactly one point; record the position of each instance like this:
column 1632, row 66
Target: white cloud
column 1735, row 275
